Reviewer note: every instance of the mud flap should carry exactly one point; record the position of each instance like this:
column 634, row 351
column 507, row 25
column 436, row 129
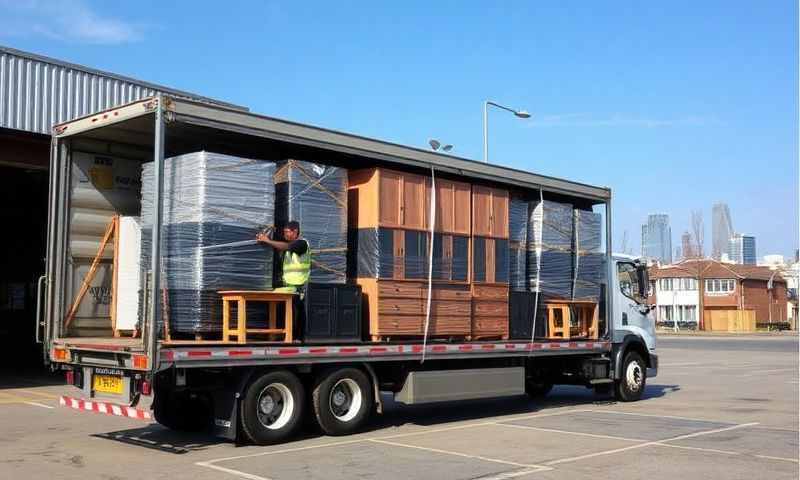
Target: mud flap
column 226, row 414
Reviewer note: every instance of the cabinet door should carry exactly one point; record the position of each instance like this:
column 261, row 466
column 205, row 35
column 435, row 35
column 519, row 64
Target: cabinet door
column 398, row 263
column 416, row 254
column 389, row 198
column 444, row 206
column 499, row 213
column 501, row 264
column 478, row 259
column 460, row 258
column 386, row 254
column 462, row 193
column 413, row 202
column 490, row 259
column 481, row 211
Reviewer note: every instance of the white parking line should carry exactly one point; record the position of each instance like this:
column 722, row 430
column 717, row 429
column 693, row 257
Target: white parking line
column 240, row 474
column 646, row 444
column 778, row 458
column 776, row 370
column 552, row 430
column 673, row 417
column 37, row 404
column 534, row 468
column 710, row 450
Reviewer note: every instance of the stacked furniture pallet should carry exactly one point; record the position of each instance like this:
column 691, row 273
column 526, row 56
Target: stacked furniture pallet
column 389, row 248
column 490, row 262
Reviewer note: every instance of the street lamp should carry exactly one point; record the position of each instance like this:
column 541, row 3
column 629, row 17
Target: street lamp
column 517, row 113
column 435, row 145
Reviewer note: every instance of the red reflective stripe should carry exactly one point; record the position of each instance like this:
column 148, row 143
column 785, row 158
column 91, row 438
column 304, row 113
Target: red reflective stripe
column 465, row 348
column 104, row 408
column 348, row 350
column 288, row 351
column 589, row 345
column 555, row 345
column 239, row 353
column 416, row 348
column 317, row 350
column 487, row 347
column 167, row 355
column 377, row 349
column 439, row 348
column 573, row 345
column 195, row 353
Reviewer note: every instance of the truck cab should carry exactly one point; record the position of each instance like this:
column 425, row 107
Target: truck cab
column 633, row 327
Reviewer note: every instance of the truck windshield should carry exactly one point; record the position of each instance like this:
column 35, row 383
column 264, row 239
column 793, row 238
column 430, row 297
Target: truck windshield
column 629, row 282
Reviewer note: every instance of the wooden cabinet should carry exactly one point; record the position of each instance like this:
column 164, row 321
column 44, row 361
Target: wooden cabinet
column 489, row 311
column 452, row 207
column 387, row 198
column 490, row 260
column 397, row 309
column 489, row 212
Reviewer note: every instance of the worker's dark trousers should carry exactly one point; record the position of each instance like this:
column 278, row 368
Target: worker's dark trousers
column 299, row 313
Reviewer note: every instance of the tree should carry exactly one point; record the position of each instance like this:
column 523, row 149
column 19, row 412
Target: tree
column 698, row 233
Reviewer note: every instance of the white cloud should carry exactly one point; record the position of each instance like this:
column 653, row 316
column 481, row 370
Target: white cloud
column 618, row 120
column 65, row 20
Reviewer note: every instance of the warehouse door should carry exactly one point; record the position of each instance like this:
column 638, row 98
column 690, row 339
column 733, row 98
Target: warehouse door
column 23, row 216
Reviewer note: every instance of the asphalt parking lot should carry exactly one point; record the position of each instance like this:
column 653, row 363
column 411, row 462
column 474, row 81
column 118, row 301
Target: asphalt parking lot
column 721, row 407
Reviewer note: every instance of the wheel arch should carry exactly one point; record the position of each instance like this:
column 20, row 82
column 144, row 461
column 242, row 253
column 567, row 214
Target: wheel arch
column 629, row 343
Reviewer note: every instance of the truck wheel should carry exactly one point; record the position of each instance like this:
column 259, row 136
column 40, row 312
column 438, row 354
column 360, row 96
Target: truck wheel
column 630, row 387
column 537, row 390
column 272, row 407
column 343, row 401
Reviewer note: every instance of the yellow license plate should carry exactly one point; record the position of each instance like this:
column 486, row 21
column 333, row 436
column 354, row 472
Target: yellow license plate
column 107, row 383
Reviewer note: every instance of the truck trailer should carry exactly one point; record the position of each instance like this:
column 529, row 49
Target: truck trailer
column 262, row 391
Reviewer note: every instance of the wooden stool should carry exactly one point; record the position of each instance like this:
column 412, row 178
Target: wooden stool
column 241, row 297
column 560, row 316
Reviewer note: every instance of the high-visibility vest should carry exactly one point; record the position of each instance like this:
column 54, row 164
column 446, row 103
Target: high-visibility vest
column 297, row 268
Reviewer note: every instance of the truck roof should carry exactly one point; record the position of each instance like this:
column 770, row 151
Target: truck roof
column 229, row 126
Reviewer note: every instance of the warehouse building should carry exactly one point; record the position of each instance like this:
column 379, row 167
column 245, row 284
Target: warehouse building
column 37, row 92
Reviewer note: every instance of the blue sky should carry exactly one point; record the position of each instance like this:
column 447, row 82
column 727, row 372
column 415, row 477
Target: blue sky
column 674, row 105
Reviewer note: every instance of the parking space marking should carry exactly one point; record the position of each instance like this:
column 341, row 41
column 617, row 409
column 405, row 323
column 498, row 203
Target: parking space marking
column 37, row 404
column 701, row 449
column 794, row 460
column 647, row 444
column 240, row 474
column 552, row 430
column 534, row 468
column 673, row 417
column 776, row 370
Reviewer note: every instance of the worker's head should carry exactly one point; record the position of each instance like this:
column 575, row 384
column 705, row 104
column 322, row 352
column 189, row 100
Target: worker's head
column 291, row 231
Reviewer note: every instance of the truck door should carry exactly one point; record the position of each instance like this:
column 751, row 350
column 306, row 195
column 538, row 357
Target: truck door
column 631, row 311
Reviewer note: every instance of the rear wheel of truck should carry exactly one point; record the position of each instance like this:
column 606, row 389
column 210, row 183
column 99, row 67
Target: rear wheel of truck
column 272, row 408
column 630, row 386
column 343, row 401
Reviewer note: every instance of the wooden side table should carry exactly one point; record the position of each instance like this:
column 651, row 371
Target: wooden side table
column 241, row 297
column 560, row 316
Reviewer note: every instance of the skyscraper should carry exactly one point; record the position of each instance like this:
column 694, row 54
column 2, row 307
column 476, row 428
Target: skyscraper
column 721, row 229
column 657, row 238
column 742, row 249
column 686, row 245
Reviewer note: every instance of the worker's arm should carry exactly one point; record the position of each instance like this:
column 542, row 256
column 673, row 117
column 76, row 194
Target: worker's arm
column 279, row 245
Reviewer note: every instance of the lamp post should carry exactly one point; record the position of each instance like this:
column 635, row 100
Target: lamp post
column 517, row 113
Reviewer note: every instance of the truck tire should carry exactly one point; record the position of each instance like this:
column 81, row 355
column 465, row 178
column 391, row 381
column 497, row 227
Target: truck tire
column 273, row 407
column 343, row 401
column 630, row 386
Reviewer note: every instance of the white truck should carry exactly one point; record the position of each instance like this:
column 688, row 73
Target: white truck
column 261, row 391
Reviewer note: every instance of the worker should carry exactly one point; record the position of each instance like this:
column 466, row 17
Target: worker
column 296, row 266
column 296, row 257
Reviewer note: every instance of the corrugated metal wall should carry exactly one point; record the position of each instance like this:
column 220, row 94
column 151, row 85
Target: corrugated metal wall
column 37, row 92
column 34, row 94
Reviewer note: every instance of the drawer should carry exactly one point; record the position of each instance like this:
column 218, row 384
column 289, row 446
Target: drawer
column 450, row 307
column 400, row 289
column 451, row 293
column 489, row 309
column 400, row 306
column 486, row 326
column 400, row 325
column 449, row 325
column 490, row 291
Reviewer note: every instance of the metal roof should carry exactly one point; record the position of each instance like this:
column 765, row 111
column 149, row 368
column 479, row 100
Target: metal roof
column 37, row 92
